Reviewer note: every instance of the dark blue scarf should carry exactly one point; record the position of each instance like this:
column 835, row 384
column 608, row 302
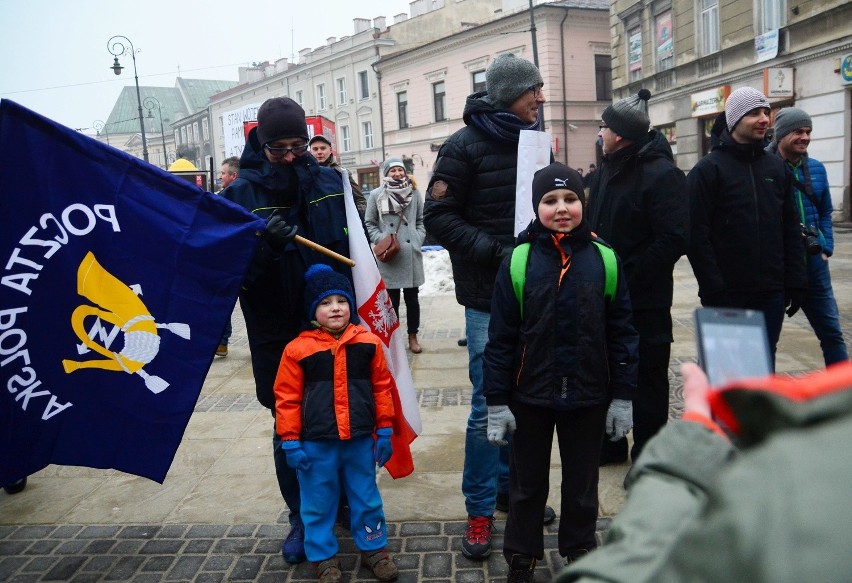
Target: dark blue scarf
column 503, row 125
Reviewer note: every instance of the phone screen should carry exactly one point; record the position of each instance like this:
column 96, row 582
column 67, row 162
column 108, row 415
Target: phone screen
column 732, row 344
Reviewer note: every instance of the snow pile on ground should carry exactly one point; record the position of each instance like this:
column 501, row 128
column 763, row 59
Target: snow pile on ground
column 439, row 274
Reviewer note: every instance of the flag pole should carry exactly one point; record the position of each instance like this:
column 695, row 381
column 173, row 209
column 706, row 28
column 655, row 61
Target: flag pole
column 324, row 250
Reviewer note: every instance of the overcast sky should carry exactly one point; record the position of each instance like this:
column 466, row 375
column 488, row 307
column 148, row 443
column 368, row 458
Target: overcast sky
column 54, row 58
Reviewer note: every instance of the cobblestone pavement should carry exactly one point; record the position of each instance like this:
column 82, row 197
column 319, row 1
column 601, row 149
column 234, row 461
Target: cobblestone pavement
column 61, row 528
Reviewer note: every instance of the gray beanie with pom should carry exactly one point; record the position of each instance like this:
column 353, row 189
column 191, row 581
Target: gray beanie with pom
column 629, row 117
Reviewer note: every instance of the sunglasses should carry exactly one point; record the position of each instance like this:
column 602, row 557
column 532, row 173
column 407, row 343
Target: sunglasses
column 281, row 152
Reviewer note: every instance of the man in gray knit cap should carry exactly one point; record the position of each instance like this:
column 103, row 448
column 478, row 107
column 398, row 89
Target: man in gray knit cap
column 470, row 210
column 813, row 200
column 745, row 243
column 638, row 205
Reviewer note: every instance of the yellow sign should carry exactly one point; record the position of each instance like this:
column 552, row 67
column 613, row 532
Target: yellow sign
column 709, row 102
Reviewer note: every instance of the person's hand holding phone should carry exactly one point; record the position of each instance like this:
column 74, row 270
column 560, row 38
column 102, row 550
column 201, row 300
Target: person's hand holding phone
column 696, row 389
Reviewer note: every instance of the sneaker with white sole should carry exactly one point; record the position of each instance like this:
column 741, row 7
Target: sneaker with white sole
column 477, row 539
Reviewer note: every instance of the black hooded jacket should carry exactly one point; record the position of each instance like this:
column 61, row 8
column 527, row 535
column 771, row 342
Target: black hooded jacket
column 474, row 216
column 575, row 349
column 745, row 234
column 638, row 204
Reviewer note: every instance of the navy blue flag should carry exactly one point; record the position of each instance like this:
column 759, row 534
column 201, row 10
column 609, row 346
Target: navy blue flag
column 117, row 281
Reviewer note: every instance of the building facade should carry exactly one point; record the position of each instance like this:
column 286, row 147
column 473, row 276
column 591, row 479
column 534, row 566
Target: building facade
column 424, row 89
column 692, row 53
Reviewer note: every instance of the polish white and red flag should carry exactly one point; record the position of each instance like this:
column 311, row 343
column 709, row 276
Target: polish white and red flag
column 377, row 314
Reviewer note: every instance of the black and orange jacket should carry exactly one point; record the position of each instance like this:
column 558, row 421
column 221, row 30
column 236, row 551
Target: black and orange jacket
column 333, row 388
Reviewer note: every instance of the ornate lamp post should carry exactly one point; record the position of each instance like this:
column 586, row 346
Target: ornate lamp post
column 117, row 48
column 99, row 127
column 149, row 103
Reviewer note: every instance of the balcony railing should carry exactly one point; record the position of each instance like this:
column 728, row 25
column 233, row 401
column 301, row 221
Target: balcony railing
column 709, row 65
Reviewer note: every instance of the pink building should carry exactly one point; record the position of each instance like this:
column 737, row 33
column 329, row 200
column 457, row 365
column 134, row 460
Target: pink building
column 423, row 90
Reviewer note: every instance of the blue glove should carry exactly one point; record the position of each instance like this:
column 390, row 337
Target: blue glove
column 296, row 456
column 384, row 449
column 619, row 418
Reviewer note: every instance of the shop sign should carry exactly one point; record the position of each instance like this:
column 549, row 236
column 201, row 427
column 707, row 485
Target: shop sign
column 709, row 102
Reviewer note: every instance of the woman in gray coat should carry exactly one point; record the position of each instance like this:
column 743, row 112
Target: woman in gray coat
column 397, row 199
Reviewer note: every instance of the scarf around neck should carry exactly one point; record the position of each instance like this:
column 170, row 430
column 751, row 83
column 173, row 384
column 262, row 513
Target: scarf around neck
column 503, row 125
column 394, row 197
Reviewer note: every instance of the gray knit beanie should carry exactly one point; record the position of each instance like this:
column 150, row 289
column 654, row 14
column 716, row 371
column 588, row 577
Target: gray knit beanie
column 789, row 120
column 742, row 101
column 629, row 117
column 507, row 78
column 391, row 163
column 279, row 118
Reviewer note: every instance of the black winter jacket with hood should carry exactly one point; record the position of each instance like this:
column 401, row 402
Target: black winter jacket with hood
column 474, row 216
column 572, row 348
column 745, row 234
column 638, row 204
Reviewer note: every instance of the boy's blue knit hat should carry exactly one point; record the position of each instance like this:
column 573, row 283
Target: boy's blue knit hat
column 322, row 281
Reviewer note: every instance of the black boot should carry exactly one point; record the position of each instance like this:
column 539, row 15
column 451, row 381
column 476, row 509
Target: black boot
column 521, row 569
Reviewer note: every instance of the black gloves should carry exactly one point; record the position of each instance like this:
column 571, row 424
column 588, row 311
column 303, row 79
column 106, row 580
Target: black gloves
column 795, row 298
column 278, row 233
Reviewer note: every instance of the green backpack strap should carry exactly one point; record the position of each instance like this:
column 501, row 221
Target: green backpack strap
column 518, row 271
column 610, row 269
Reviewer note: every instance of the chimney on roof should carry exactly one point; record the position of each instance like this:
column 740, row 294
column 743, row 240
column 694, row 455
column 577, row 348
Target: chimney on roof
column 361, row 24
column 401, row 17
column 379, row 22
column 418, row 7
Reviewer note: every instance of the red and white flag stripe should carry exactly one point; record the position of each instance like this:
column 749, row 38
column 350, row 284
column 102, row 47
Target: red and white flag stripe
column 377, row 314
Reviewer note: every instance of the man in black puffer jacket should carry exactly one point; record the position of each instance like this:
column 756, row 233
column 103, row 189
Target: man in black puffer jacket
column 470, row 210
column 746, row 246
column 638, row 205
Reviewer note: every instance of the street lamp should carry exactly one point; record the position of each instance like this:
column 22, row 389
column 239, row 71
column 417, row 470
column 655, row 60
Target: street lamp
column 117, row 49
column 149, row 103
column 99, row 126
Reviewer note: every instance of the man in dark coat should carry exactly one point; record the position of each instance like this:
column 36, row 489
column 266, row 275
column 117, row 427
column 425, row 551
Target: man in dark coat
column 639, row 206
column 745, row 245
column 279, row 179
column 470, row 210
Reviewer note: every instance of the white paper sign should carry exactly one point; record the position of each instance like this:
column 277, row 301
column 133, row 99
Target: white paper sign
column 533, row 155
column 232, row 122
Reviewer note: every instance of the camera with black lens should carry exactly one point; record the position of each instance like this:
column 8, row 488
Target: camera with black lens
column 811, row 237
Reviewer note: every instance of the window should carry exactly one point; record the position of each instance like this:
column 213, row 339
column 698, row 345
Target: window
column 299, row 99
column 195, row 139
column 367, row 130
column 221, row 127
column 664, row 40
column 478, row 81
column 772, row 15
column 183, row 135
column 709, row 23
column 177, row 137
column 402, row 108
column 439, row 100
column 321, row 104
column 341, row 91
column 363, row 85
column 634, row 53
column 603, row 78
column 345, row 138
column 205, row 130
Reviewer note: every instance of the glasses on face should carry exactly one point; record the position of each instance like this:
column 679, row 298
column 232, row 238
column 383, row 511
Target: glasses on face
column 536, row 90
column 603, row 126
column 281, row 152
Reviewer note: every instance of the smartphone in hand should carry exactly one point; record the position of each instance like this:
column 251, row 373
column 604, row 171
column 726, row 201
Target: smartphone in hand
column 732, row 344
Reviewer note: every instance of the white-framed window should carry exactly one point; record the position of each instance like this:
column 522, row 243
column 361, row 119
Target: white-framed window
column 177, row 137
column 345, row 139
column 221, row 126
column 478, row 81
column 183, row 135
column 402, row 108
column 634, row 53
column 603, row 77
column 773, row 15
column 195, row 139
column 363, row 85
column 708, row 33
column 341, row 91
column 205, row 130
column 300, row 99
column 663, row 41
column 321, row 103
column 439, row 100
column 367, row 132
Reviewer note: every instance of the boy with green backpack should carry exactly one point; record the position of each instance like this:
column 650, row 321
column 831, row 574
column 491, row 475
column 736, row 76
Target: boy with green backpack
column 562, row 353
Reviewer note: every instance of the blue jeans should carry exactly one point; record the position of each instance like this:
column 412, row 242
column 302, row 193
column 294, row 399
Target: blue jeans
column 486, row 468
column 821, row 311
